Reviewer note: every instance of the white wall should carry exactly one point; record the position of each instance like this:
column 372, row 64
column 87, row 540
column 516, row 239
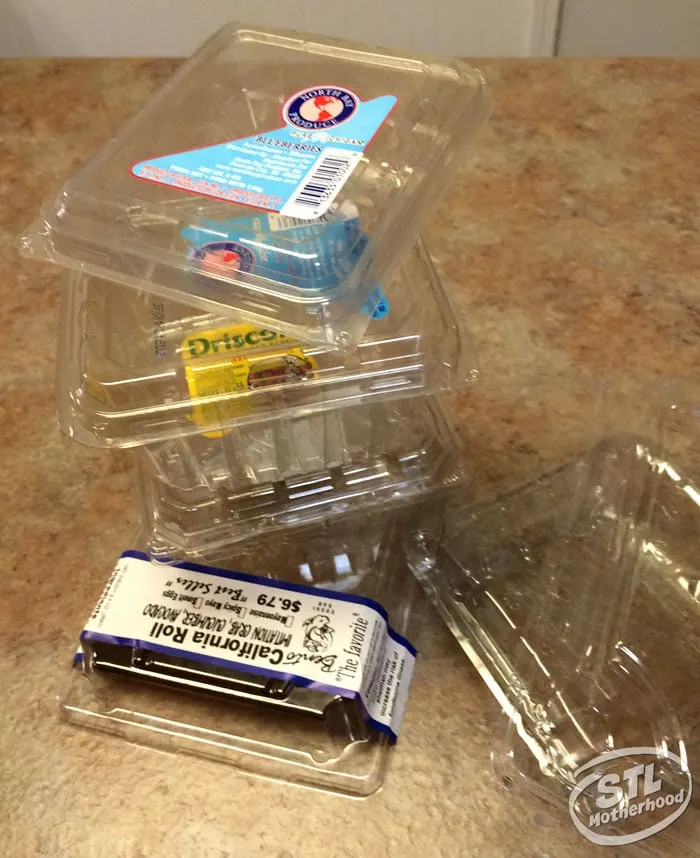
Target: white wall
column 460, row 27
column 175, row 27
column 630, row 28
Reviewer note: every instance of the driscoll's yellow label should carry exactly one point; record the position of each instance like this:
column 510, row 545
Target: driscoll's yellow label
column 228, row 341
column 222, row 364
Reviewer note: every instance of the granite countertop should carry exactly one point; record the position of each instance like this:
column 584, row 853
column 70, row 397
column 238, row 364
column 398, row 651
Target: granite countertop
column 569, row 245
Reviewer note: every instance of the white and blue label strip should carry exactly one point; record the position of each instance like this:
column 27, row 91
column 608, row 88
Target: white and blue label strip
column 297, row 169
column 334, row 642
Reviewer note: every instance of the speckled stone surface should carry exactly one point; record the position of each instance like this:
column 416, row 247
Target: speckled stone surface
column 569, row 245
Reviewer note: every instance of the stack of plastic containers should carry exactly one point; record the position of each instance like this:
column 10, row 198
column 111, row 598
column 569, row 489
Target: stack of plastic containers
column 249, row 305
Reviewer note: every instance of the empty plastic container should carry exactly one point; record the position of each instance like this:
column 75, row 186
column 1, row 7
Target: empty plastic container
column 278, row 178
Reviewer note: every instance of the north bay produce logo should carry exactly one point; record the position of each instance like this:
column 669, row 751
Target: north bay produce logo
column 320, row 107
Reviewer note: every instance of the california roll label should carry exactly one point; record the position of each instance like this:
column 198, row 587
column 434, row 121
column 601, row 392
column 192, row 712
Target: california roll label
column 337, row 643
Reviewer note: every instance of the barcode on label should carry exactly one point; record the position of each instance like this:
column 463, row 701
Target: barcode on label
column 321, row 184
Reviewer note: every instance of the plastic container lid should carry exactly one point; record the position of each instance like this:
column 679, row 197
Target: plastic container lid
column 135, row 368
column 345, row 147
column 577, row 598
column 202, row 495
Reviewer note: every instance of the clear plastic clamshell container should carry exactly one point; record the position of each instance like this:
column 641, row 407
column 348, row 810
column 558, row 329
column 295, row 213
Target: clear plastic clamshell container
column 278, row 178
column 259, row 725
column 202, row 495
column 577, row 598
column 136, row 369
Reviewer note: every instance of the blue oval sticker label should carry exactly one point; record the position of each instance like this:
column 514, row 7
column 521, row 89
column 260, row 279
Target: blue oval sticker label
column 320, row 107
